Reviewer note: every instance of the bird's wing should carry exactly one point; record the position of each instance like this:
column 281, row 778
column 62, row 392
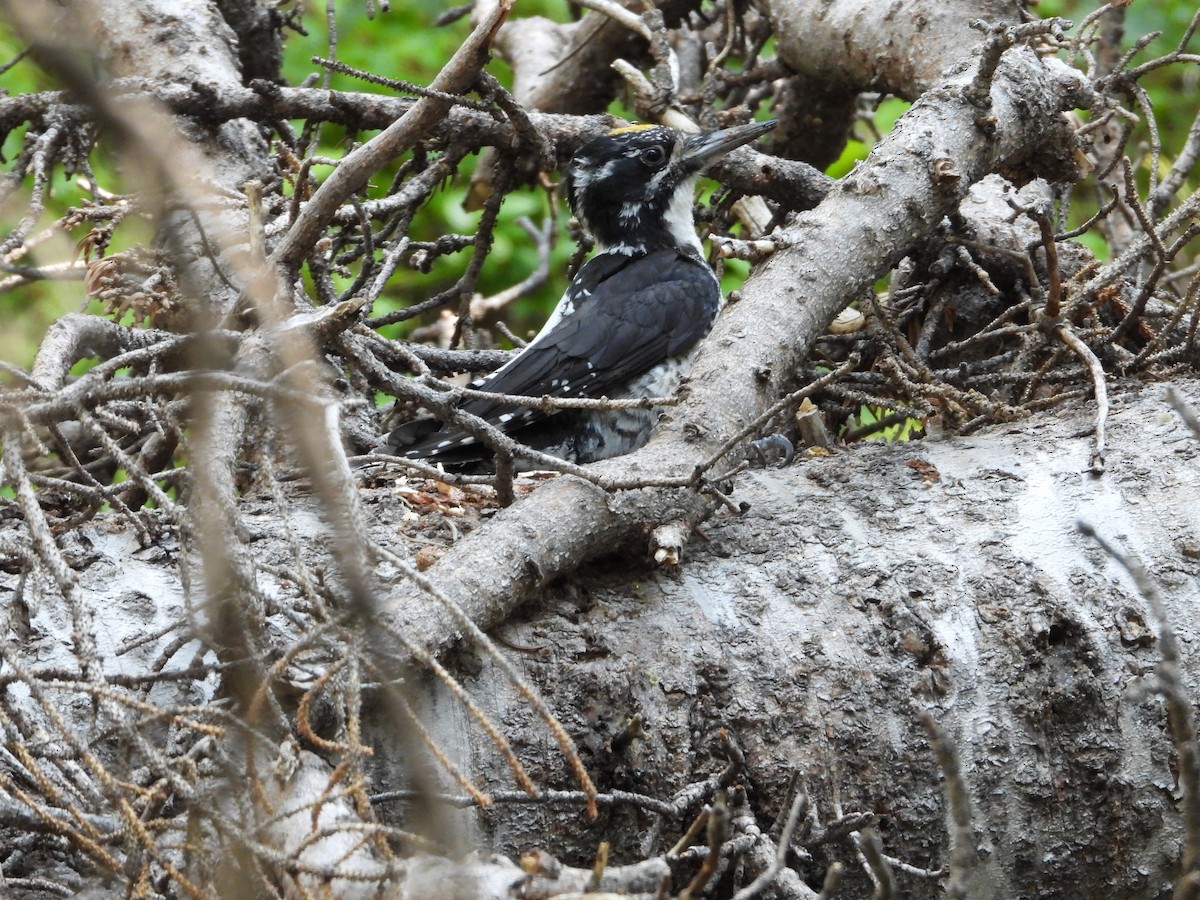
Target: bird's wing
column 627, row 316
column 637, row 314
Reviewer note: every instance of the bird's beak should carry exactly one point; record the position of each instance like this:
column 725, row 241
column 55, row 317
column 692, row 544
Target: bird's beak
column 701, row 149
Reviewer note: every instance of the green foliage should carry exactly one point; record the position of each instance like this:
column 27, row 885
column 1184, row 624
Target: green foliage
column 890, row 109
column 404, row 43
column 733, row 274
column 869, row 415
column 400, row 43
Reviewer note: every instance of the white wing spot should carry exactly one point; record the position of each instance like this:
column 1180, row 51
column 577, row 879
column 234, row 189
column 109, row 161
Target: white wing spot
column 507, row 417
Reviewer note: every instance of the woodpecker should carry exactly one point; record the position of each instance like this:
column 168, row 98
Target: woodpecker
column 630, row 320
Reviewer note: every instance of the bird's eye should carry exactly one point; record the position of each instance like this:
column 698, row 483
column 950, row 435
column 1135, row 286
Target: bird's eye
column 653, row 156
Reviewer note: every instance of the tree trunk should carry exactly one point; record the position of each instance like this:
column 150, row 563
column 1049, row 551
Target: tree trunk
column 857, row 592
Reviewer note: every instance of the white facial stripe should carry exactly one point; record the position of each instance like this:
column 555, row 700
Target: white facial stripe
column 579, row 186
column 679, row 216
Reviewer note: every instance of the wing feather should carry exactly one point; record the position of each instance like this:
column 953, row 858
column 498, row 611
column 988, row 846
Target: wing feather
column 627, row 316
column 643, row 313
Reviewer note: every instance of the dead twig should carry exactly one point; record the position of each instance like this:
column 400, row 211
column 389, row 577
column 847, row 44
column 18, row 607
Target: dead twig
column 1099, row 387
column 963, row 856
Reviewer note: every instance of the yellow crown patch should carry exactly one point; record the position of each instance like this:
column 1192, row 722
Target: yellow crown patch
column 625, row 128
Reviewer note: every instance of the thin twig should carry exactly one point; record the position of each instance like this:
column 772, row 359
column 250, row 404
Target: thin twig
column 1099, row 386
column 963, row 857
column 764, row 880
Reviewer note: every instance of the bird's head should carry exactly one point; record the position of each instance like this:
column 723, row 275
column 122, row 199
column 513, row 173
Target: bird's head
column 633, row 187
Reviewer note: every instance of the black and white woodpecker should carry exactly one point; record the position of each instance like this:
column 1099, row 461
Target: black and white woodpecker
column 628, row 323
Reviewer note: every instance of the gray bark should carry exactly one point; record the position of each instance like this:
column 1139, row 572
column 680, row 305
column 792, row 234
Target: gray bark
column 901, row 49
column 856, row 592
column 860, row 590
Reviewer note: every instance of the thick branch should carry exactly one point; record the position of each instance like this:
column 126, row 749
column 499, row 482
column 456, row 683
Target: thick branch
column 899, row 48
